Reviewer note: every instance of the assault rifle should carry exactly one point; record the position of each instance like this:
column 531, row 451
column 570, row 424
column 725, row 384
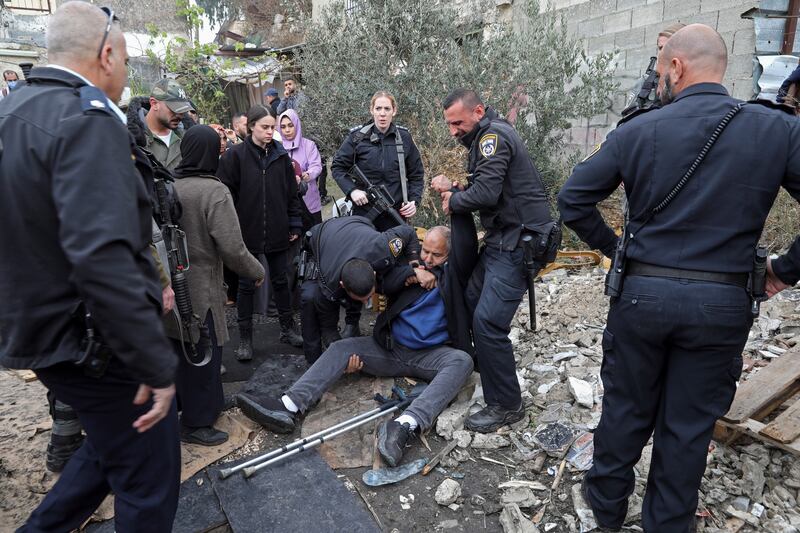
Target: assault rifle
column 196, row 332
column 642, row 99
column 378, row 197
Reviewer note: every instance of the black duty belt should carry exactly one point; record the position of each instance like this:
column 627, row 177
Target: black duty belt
column 635, row 268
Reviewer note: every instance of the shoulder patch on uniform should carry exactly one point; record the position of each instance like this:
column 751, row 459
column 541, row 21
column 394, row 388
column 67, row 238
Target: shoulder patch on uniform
column 356, row 128
column 488, row 144
column 773, row 105
column 399, row 127
column 93, row 99
column 396, row 246
column 594, row 151
column 636, row 113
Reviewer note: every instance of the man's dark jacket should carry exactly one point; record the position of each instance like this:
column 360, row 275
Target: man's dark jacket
column 76, row 225
column 264, row 188
column 451, row 278
column 337, row 240
column 504, row 184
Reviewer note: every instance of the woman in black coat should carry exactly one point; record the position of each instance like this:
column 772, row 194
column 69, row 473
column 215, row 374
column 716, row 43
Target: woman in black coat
column 260, row 176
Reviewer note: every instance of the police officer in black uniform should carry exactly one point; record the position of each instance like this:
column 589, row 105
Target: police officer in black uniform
column 81, row 295
column 387, row 155
column 393, row 254
column 506, row 189
column 680, row 316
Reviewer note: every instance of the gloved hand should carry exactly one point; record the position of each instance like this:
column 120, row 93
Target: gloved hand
column 359, row 197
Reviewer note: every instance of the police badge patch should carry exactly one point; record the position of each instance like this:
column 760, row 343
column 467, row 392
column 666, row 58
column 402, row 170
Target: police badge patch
column 488, row 145
column 396, row 246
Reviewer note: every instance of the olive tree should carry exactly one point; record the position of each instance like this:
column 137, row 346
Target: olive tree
column 419, row 50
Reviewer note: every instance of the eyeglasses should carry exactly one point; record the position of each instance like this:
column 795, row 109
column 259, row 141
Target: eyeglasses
column 112, row 18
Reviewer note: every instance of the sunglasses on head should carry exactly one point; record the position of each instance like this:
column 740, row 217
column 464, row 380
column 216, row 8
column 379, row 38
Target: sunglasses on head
column 112, row 18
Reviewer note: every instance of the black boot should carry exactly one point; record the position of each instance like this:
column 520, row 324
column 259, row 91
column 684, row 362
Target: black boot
column 60, row 449
column 245, row 350
column 493, row 417
column 289, row 333
column 351, row 330
column 204, row 436
column 392, row 438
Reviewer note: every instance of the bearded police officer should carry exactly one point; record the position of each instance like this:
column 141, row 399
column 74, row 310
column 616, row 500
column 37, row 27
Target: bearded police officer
column 680, row 316
column 505, row 187
column 81, row 298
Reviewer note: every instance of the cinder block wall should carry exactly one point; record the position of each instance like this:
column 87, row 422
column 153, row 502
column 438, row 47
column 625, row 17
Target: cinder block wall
column 631, row 27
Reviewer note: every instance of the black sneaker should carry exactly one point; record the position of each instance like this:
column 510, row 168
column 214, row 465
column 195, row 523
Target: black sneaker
column 493, row 417
column 60, row 449
column 392, row 438
column 204, row 436
column 268, row 412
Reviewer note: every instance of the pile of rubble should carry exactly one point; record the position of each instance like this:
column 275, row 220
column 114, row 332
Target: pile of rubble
column 747, row 487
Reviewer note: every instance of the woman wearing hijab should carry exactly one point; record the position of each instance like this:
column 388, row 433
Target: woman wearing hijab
column 305, row 152
column 260, row 176
column 213, row 236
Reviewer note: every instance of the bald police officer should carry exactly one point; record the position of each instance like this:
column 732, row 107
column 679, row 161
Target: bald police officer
column 505, row 187
column 673, row 342
column 81, row 296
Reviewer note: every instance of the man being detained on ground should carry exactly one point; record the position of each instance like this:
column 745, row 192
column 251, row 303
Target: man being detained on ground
column 424, row 333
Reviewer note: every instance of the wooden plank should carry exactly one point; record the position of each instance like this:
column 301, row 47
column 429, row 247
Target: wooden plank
column 768, row 389
column 753, row 428
column 786, row 427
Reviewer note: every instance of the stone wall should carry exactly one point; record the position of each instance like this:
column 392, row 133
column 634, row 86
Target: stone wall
column 630, row 29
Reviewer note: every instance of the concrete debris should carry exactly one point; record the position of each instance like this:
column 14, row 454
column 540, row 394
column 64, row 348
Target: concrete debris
column 582, row 509
column 519, row 483
column 490, row 441
column 581, row 391
column 462, row 437
column 513, row 521
column 448, row 492
column 520, row 496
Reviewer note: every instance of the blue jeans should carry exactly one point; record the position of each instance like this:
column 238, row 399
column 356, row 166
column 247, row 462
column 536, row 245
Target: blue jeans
column 445, row 367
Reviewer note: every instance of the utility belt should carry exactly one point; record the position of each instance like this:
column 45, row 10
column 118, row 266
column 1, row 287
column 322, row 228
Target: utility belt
column 95, row 353
column 635, row 268
column 307, row 267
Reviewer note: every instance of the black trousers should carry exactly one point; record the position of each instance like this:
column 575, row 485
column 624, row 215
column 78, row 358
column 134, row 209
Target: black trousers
column 280, row 287
column 494, row 293
column 200, row 396
column 319, row 319
column 671, row 358
column 141, row 469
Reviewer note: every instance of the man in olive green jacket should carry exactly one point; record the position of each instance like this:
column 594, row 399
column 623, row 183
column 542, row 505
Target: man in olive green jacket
column 168, row 104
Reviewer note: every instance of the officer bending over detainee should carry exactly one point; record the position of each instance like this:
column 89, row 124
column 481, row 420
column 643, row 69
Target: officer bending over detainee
column 505, row 187
column 424, row 333
column 680, row 310
column 339, row 249
column 87, row 253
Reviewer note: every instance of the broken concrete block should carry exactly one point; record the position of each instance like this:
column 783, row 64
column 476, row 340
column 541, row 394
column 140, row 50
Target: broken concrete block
column 448, row 492
column 451, row 420
column 513, row 521
column 520, row 496
column 582, row 509
column 582, row 392
column 462, row 437
column 491, row 441
column 555, row 438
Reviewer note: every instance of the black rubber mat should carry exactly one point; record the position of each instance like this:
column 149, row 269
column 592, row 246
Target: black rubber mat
column 300, row 494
